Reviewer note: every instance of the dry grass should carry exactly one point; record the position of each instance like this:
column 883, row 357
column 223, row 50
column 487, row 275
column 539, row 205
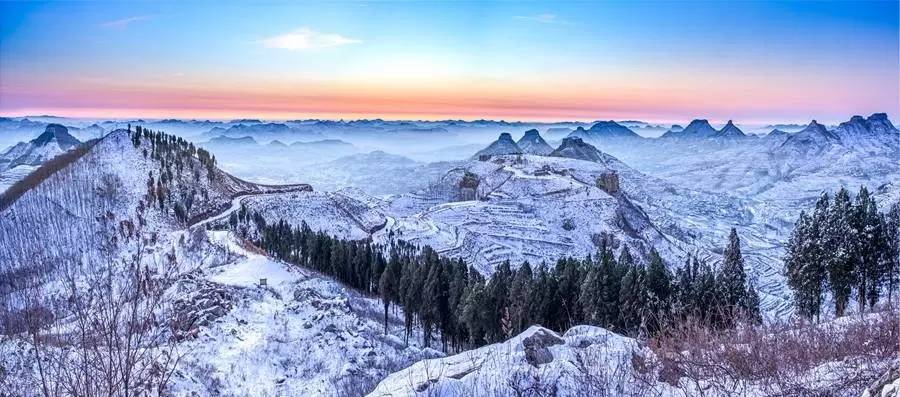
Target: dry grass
column 841, row 357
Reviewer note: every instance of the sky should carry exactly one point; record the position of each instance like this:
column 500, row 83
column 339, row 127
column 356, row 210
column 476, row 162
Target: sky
column 656, row 61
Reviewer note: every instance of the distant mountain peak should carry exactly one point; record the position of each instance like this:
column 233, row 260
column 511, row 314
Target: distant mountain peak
column 532, row 143
column 731, row 131
column 604, row 130
column 503, row 145
column 58, row 133
column 576, row 148
column 697, row 129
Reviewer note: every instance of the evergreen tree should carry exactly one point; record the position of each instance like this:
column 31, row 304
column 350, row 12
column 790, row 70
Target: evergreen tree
column 659, row 292
column 387, row 287
column 498, row 291
column 473, row 314
column 633, row 300
column 892, row 249
column 839, row 237
column 732, row 278
column 751, row 305
column 804, row 266
column 871, row 248
column 519, row 298
column 569, row 278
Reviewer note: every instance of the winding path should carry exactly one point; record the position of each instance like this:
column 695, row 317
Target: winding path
column 237, row 199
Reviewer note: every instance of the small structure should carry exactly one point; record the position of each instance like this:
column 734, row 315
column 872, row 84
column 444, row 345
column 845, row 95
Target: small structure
column 468, row 187
column 263, row 282
column 484, row 157
column 609, row 182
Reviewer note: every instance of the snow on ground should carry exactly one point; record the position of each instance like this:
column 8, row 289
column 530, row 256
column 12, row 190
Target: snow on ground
column 334, row 213
column 301, row 334
column 584, row 361
column 13, row 175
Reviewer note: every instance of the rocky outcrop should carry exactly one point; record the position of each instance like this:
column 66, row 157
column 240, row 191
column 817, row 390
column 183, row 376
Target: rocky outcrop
column 537, row 345
column 204, row 303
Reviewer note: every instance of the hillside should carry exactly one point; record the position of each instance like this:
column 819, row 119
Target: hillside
column 156, row 185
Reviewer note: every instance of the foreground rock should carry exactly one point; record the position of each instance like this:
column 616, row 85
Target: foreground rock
column 585, row 361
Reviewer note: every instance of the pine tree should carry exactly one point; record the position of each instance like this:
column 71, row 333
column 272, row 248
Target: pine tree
column 387, row 287
column 751, row 305
column 659, row 292
column 498, row 291
column 804, row 266
column 473, row 313
column 569, row 278
column 872, row 247
column 519, row 294
column 839, row 237
column 892, row 249
column 633, row 300
column 732, row 279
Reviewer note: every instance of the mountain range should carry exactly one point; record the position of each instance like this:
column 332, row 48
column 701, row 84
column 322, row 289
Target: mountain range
column 160, row 196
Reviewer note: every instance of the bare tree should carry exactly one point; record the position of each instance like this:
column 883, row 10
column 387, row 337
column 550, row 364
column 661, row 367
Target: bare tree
column 102, row 326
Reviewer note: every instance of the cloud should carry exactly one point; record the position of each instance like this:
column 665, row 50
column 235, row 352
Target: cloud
column 544, row 18
column 124, row 22
column 307, row 39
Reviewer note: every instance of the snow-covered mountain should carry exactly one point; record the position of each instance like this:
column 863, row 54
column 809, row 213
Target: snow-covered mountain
column 18, row 161
column 604, row 131
column 697, row 129
column 574, row 147
column 264, row 132
column 122, row 182
column 731, row 131
column 503, row 145
column 592, row 361
column 237, row 337
column 813, row 139
column 53, row 141
column 532, row 143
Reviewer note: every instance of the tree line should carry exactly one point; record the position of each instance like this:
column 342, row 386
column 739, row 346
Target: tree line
column 175, row 156
column 450, row 300
column 844, row 248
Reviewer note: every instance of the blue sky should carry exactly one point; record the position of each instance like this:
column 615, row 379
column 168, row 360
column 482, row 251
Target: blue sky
column 655, row 60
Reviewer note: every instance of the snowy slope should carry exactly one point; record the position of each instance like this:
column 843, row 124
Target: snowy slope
column 584, row 361
column 302, row 334
column 345, row 214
